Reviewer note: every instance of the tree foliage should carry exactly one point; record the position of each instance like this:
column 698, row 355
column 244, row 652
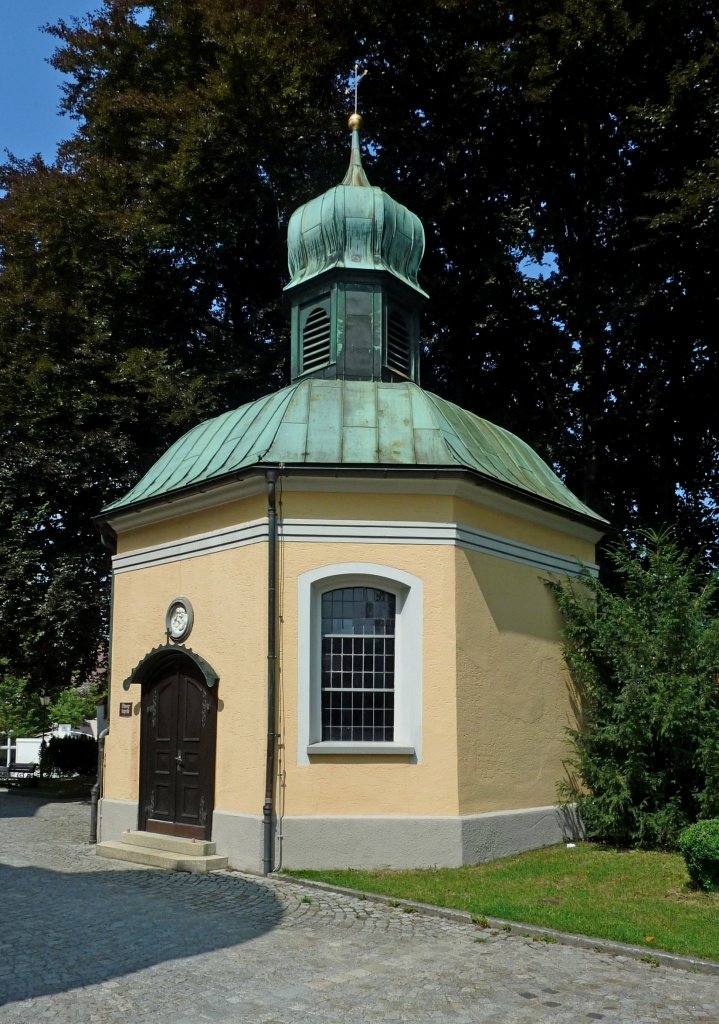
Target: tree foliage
column 645, row 660
column 19, row 711
column 141, row 273
column 72, row 707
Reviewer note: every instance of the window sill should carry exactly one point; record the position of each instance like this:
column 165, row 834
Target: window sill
column 361, row 749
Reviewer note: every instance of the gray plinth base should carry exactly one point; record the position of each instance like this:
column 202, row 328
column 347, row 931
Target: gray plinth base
column 372, row 842
column 502, row 833
column 239, row 838
column 114, row 818
column 379, row 842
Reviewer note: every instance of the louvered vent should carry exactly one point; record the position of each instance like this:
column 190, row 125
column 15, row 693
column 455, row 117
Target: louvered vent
column 397, row 344
column 316, row 340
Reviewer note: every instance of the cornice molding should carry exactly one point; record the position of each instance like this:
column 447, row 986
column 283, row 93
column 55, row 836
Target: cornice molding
column 320, row 531
column 386, row 482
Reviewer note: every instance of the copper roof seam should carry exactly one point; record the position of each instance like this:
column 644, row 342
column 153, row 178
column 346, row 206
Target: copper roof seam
column 202, row 465
column 164, row 467
column 378, row 227
column 277, row 417
column 306, row 424
column 436, row 411
column 493, row 467
column 238, row 415
column 376, row 425
column 341, row 229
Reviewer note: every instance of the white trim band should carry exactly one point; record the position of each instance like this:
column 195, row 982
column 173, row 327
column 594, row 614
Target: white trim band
column 352, row 532
column 324, row 747
column 210, row 543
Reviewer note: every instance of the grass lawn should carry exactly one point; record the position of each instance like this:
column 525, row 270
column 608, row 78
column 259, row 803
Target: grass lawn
column 629, row 896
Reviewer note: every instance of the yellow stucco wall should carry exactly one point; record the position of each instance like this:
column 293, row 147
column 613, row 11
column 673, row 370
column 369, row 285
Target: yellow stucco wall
column 384, row 507
column 228, row 594
column 512, row 527
column 193, row 524
column 361, row 785
column 514, row 697
column 495, row 701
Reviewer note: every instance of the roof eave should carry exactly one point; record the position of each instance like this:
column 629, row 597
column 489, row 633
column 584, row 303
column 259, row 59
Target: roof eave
column 594, row 521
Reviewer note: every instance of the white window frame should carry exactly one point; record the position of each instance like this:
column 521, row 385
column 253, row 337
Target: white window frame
column 408, row 590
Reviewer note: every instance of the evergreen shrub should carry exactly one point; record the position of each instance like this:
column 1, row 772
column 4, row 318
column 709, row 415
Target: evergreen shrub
column 699, row 845
column 70, row 755
column 643, row 654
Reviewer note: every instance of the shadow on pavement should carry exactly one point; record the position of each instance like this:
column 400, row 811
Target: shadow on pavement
column 14, row 804
column 62, row 930
column 20, row 802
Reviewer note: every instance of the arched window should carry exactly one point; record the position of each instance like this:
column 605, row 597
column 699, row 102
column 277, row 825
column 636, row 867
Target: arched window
column 359, row 678
column 316, row 340
column 358, row 636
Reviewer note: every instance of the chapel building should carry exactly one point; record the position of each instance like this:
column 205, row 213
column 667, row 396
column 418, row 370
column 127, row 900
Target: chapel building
column 333, row 643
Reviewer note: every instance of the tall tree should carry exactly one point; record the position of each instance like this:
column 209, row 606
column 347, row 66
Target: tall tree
column 140, row 288
column 594, row 82
column 585, row 131
column 140, row 276
column 78, row 406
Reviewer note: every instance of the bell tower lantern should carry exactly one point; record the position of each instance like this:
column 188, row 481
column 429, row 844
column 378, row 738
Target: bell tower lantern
column 353, row 256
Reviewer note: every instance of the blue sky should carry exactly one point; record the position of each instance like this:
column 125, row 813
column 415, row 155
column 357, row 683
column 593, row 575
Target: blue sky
column 29, row 86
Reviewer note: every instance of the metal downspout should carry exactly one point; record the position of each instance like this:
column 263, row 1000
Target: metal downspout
column 109, row 542
column 268, row 806
column 97, row 788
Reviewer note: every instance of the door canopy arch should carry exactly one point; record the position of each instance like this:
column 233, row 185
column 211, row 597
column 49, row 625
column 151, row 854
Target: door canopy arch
column 164, row 657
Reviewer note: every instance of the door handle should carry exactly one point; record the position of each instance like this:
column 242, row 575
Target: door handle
column 178, row 758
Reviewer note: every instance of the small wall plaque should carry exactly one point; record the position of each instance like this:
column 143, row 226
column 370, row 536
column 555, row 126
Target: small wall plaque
column 179, row 620
column 125, row 709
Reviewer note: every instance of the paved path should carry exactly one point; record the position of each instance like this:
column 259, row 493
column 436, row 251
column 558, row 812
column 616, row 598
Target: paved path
column 90, row 941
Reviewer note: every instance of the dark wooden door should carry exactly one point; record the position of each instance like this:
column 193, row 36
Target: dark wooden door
column 177, row 758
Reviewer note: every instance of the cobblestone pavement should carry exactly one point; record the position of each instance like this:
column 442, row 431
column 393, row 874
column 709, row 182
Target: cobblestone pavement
column 97, row 941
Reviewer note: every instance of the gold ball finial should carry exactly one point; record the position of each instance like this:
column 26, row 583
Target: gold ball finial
column 355, row 122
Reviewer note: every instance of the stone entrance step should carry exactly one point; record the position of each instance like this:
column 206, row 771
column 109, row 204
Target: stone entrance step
column 170, row 852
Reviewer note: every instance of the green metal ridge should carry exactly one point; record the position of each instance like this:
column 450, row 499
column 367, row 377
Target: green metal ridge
column 355, row 172
column 502, row 456
column 212, row 449
column 362, row 424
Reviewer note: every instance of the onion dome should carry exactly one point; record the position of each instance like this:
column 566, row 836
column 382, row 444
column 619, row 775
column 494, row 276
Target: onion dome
column 357, row 226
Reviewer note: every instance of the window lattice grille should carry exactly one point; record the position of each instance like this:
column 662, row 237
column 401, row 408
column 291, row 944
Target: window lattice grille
column 397, row 343
column 358, row 651
column 316, row 340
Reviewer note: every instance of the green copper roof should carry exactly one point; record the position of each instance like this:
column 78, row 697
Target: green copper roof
column 328, row 423
column 357, row 226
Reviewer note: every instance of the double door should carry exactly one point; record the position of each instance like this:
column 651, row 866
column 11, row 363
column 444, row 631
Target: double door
column 177, row 758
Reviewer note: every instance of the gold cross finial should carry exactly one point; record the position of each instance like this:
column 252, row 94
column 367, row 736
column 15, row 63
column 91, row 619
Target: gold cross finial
column 355, row 173
column 354, row 82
